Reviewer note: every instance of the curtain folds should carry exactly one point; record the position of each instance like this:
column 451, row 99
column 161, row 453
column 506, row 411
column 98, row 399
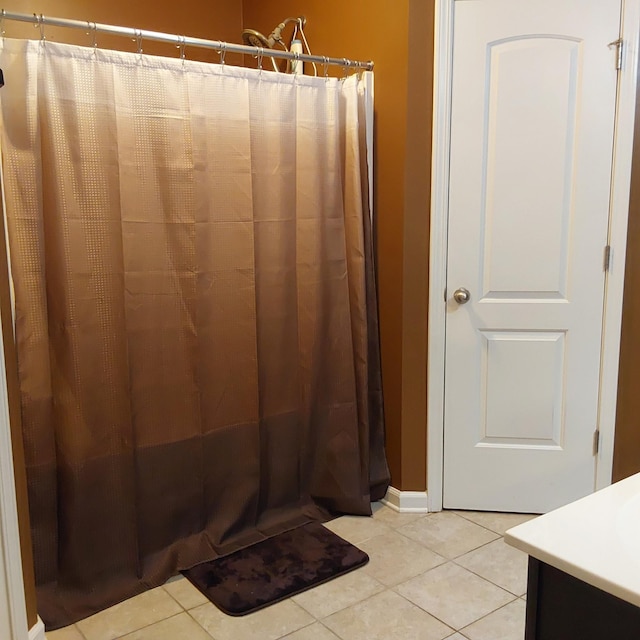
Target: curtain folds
column 195, row 311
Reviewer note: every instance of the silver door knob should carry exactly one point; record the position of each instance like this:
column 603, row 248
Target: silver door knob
column 461, row 295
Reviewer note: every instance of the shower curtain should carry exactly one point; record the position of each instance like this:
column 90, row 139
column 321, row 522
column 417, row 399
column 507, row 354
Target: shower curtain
column 195, row 311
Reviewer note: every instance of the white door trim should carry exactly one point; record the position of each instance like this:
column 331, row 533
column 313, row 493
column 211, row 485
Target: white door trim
column 614, row 288
column 10, row 557
column 443, row 65
column 623, row 143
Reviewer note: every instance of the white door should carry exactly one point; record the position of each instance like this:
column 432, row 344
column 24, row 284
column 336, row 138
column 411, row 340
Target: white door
column 533, row 111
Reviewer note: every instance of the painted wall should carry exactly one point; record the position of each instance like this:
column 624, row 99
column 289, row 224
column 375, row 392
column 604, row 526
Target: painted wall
column 213, row 19
column 626, row 458
column 413, row 427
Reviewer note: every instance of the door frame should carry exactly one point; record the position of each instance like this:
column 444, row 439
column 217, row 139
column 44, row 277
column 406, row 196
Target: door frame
column 11, row 580
column 614, row 279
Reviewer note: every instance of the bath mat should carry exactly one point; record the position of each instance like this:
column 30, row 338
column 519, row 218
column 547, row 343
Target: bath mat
column 275, row 569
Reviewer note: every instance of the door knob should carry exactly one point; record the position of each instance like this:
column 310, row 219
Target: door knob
column 461, row 295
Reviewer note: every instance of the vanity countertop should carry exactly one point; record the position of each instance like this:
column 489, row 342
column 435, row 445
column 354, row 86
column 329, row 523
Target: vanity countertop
column 595, row 539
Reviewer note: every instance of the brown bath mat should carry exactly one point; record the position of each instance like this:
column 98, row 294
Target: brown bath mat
column 275, row 569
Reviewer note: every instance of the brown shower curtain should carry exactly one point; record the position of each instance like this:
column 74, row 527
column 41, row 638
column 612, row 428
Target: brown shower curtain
column 195, row 311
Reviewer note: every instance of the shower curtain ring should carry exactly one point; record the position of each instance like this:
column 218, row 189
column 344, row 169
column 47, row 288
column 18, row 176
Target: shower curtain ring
column 2, row 15
column 223, row 52
column 346, row 64
column 260, row 56
column 93, row 32
column 138, row 40
column 181, row 46
column 325, row 65
column 39, row 22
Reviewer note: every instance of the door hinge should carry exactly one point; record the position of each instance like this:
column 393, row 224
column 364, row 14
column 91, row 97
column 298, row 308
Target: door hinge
column 607, row 257
column 596, row 442
column 618, row 44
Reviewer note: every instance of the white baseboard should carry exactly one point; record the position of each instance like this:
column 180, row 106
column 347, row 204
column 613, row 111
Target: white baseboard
column 37, row 631
column 406, row 501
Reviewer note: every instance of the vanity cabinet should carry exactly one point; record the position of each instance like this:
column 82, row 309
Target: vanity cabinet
column 584, row 567
column 561, row 607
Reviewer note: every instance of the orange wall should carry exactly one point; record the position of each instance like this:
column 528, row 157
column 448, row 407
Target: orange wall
column 413, row 429
column 378, row 30
column 213, row 19
column 626, row 457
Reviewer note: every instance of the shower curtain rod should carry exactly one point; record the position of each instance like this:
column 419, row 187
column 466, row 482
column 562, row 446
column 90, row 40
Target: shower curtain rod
column 180, row 41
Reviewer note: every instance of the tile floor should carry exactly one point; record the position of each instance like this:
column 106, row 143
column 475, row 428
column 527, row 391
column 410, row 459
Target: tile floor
column 430, row 577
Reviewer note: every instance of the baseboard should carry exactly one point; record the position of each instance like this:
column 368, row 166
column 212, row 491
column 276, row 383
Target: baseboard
column 406, row 501
column 37, row 631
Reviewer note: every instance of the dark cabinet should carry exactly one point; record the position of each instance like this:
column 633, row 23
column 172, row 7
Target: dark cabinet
column 561, row 607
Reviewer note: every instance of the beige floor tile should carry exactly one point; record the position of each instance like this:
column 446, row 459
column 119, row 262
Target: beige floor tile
column 454, row 595
column 386, row 616
column 394, row 558
column 448, row 534
column 456, row 636
column 498, row 522
column 130, row 615
column 315, row 631
column 180, row 627
column 393, row 518
column 66, row 633
column 356, row 529
column 499, row 563
column 506, row 623
column 185, row 593
column 267, row 624
column 338, row 594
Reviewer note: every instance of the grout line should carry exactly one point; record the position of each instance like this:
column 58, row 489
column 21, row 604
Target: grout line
column 455, row 561
column 480, row 546
column 449, row 624
column 425, row 546
column 461, row 514
column 433, row 615
column 353, row 604
column 146, row 626
column 306, row 626
column 171, row 596
column 495, row 533
column 198, row 623
column 392, row 590
column 327, row 628
column 491, row 582
column 490, row 613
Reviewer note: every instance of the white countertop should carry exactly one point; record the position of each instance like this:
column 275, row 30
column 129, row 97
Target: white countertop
column 595, row 539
